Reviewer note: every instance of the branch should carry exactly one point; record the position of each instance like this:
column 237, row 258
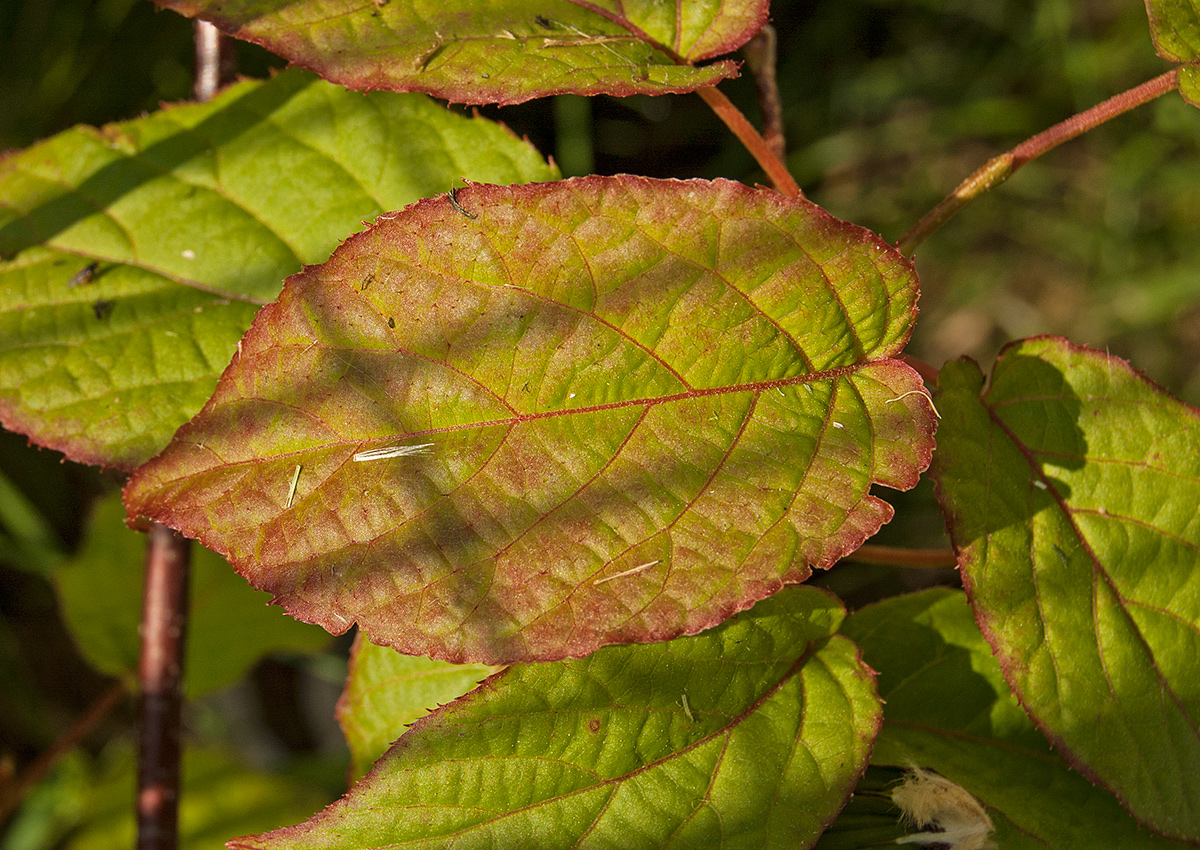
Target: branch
column 895, row 556
column 998, row 169
column 760, row 56
column 160, row 673
column 216, row 61
column 777, row 172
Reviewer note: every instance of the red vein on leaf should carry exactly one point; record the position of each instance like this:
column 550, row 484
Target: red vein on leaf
column 752, row 387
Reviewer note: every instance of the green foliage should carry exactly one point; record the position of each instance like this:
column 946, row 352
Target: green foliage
column 947, row 706
column 117, row 314
column 498, row 52
column 386, row 691
column 755, row 731
column 612, row 374
column 506, row 423
column 1078, row 537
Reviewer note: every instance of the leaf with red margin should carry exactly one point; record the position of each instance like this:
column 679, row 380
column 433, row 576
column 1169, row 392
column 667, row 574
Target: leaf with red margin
column 621, row 410
column 133, row 257
column 497, row 51
column 1072, row 487
column 749, row 736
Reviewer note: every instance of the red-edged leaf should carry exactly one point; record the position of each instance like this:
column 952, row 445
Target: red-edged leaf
column 485, row 51
column 1072, row 487
column 636, row 407
column 749, row 736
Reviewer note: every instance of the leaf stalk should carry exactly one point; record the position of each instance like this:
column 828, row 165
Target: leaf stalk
column 999, row 168
column 776, row 171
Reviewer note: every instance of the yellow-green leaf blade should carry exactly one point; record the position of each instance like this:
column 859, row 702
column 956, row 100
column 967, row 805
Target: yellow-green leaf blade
column 609, row 410
column 947, row 707
column 1175, row 27
column 497, row 51
column 135, row 256
column 1072, row 486
column 386, row 691
column 750, row 735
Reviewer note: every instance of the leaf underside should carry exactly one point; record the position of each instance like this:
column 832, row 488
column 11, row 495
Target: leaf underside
column 748, row 736
column 497, row 51
column 947, row 707
column 1072, row 487
column 623, row 410
column 133, row 257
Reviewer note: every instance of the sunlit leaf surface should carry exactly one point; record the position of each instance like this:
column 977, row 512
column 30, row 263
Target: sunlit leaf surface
column 386, row 691
column 133, row 257
column 497, row 51
column 558, row 416
column 1073, row 487
column 748, row 736
column 947, row 707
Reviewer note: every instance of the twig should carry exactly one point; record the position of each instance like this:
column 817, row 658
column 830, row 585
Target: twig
column 34, row 773
column 776, row 171
column 216, row 61
column 998, row 169
column 160, row 673
column 165, row 600
column 760, row 56
column 895, row 556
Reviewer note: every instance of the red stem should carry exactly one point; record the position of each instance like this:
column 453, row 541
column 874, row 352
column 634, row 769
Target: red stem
column 165, row 602
column 999, row 168
column 760, row 56
column 776, row 171
column 894, row 556
column 160, row 673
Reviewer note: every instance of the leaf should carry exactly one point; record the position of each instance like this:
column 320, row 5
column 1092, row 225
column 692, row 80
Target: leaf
column 386, row 691
column 135, row 256
column 1189, row 84
column 230, row 625
column 1071, row 488
column 622, row 410
column 483, row 51
column 1175, row 28
column 947, row 706
column 750, row 735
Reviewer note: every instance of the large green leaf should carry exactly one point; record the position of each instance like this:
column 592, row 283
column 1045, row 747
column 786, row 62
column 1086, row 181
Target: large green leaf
column 230, row 625
column 621, row 410
column 188, row 221
column 947, row 706
column 750, row 735
column 1175, row 28
column 497, row 51
column 1071, row 485
column 386, row 691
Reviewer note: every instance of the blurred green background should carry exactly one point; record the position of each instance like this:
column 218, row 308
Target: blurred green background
column 888, row 105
